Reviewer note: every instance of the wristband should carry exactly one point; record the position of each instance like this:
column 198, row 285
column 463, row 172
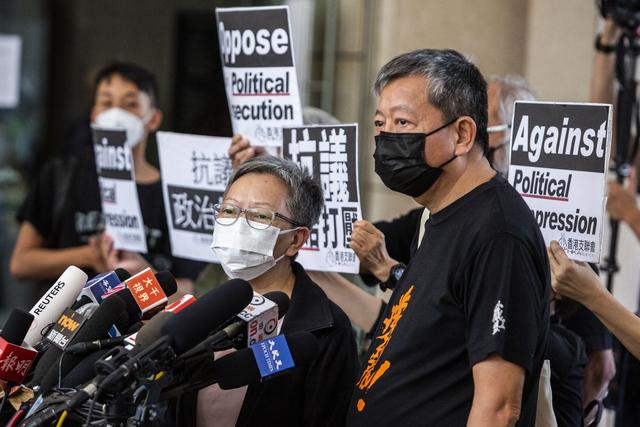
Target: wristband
column 604, row 48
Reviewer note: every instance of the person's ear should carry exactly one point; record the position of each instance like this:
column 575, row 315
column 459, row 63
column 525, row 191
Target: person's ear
column 300, row 236
column 466, row 130
column 155, row 121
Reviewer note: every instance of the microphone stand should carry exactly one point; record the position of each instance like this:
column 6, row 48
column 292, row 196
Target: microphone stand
column 627, row 53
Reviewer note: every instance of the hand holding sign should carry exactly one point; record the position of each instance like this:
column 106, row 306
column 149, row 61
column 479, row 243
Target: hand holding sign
column 621, row 203
column 241, row 150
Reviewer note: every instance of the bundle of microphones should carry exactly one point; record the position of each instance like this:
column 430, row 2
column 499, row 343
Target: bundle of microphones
column 110, row 351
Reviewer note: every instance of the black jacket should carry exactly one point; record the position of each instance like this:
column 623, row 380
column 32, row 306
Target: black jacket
column 317, row 395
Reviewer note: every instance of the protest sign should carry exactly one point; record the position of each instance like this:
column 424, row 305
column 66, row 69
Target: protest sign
column 195, row 171
column 331, row 155
column 118, row 191
column 559, row 160
column 259, row 72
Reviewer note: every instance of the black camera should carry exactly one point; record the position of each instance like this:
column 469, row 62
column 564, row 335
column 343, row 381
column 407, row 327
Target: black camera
column 625, row 13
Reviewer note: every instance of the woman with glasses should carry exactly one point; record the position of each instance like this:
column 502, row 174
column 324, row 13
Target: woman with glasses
column 264, row 219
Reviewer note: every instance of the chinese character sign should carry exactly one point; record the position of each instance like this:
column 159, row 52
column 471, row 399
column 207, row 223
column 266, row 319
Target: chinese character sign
column 559, row 160
column 146, row 290
column 195, row 171
column 259, row 72
column 331, row 155
column 118, row 190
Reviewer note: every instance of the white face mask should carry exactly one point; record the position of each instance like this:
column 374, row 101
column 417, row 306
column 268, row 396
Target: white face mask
column 122, row 119
column 244, row 252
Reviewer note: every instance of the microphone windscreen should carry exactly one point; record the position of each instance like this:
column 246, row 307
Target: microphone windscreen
column 132, row 309
column 150, row 332
column 122, row 274
column 16, row 326
column 190, row 326
column 167, row 282
column 83, row 371
column 240, row 368
column 95, row 328
column 282, row 301
column 61, row 295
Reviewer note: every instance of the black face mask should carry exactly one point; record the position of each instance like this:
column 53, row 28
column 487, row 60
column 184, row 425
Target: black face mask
column 400, row 163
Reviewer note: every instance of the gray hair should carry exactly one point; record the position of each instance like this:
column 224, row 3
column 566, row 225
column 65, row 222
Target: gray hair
column 455, row 86
column 305, row 199
column 316, row 116
column 512, row 88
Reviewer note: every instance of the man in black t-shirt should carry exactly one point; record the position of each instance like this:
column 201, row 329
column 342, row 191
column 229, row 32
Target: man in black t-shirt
column 61, row 221
column 463, row 336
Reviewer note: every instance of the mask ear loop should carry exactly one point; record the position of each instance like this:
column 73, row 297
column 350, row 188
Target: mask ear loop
column 437, row 130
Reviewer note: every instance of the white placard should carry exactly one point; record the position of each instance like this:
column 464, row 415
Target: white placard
column 10, row 53
column 259, row 72
column 331, row 154
column 195, row 171
column 118, row 190
column 559, row 160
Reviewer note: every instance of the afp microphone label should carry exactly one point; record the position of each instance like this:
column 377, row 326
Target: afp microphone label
column 272, row 356
column 67, row 326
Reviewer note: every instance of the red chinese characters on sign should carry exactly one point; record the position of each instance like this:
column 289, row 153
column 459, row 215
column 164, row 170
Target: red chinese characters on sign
column 146, row 290
column 15, row 361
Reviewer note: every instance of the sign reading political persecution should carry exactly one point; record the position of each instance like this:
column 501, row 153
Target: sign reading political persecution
column 118, row 191
column 195, row 171
column 331, row 154
column 559, row 160
column 259, row 72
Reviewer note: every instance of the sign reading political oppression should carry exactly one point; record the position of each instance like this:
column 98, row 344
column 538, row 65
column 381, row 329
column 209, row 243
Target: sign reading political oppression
column 331, row 154
column 259, row 72
column 118, row 191
column 195, row 171
column 559, row 160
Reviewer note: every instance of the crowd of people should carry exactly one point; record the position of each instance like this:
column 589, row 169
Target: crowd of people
column 482, row 315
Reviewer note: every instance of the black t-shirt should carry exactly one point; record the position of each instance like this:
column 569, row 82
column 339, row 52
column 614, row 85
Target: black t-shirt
column 480, row 286
column 81, row 213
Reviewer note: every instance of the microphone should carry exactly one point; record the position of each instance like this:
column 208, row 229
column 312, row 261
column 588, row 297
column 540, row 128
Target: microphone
column 265, row 359
column 15, row 360
column 59, row 296
column 98, row 286
column 150, row 291
column 244, row 367
column 49, row 369
column 183, row 330
column 256, row 322
column 85, row 347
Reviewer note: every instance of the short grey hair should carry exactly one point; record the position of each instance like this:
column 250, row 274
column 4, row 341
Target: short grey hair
column 455, row 85
column 305, row 197
column 512, row 88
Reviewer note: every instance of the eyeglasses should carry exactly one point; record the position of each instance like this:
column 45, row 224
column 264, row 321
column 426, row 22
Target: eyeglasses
column 498, row 128
column 258, row 218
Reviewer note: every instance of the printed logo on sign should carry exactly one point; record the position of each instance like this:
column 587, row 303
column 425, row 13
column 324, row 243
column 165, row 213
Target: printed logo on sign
column 272, row 356
column 255, row 38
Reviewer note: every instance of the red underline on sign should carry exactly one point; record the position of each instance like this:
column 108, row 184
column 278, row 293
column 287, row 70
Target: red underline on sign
column 538, row 196
column 310, row 249
column 261, row 94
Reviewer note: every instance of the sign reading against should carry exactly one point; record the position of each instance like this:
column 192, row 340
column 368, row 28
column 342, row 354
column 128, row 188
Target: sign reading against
column 118, row 191
column 259, row 72
column 195, row 171
column 146, row 290
column 559, row 160
column 65, row 328
column 331, row 154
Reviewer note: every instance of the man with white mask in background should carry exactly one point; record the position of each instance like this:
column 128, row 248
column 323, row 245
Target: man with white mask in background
column 61, row 220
